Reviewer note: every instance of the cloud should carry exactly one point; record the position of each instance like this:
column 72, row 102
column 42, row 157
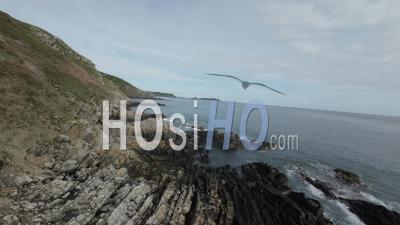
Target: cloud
column 325, row 14
column 290, row 44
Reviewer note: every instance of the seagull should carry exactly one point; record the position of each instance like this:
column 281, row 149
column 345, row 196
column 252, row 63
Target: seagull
column 245, row 84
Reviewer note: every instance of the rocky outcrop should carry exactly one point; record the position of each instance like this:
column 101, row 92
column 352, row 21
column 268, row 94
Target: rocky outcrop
column 347, row 177
column 372, row 214
column 252, row 194
column 369, row 213
column 322, row 186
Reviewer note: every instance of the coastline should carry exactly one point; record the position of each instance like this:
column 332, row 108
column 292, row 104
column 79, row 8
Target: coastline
column 54, row 171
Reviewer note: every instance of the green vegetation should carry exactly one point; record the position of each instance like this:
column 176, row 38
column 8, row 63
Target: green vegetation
column 45, row 83
column 125, row 87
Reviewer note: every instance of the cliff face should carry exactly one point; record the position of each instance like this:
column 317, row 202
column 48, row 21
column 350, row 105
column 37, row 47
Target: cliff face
column 44, row 84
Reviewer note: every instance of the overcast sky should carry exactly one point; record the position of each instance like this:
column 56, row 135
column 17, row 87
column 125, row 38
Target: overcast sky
column 326, row 54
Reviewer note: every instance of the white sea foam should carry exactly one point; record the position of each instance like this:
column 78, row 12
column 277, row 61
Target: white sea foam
column 292, row 171
column 315, row 191
column 349, row 216
column 373, row 199
column 394, row 206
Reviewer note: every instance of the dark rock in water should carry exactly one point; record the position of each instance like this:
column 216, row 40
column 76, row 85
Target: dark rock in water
column 251, row 194
column 372, row 214
column 322, row 186
column 266, row 174
column 369, row 213
column 347, row 177
column 308, row 204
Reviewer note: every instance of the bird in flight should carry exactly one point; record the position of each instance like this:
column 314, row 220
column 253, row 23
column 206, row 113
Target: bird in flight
column 245, row 84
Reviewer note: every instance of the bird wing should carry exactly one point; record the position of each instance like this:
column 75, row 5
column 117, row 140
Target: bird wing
column 263, row 85
column 223, row 75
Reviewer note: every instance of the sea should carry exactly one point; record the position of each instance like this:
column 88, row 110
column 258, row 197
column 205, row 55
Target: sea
column 368, row 145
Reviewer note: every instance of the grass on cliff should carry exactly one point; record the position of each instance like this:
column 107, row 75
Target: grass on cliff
column 50, row 60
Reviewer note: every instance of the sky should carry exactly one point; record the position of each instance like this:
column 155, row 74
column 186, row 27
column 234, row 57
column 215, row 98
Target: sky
column 325, row 54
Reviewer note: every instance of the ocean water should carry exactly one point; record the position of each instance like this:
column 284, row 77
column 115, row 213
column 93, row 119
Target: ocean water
column 367, row 145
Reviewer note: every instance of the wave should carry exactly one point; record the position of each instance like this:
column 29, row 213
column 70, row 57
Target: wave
column 333, row 206
column 349, row 216
column 335, row 210
column 291, row 170
column 315, row 191
column 373, row 199
column 393, row 205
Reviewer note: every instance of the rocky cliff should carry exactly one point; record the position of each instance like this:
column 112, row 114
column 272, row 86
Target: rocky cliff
column 44, row 85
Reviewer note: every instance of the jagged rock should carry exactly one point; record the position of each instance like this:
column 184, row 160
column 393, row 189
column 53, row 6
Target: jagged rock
column 54, row 190
column 310, row 204
column 131, row 205
column 368, row 212
column 347, row 177
column 22, row 180
column 68, row 166
column 248, row 195
column 251, row 194
column 372, row 214
column 322, row 186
